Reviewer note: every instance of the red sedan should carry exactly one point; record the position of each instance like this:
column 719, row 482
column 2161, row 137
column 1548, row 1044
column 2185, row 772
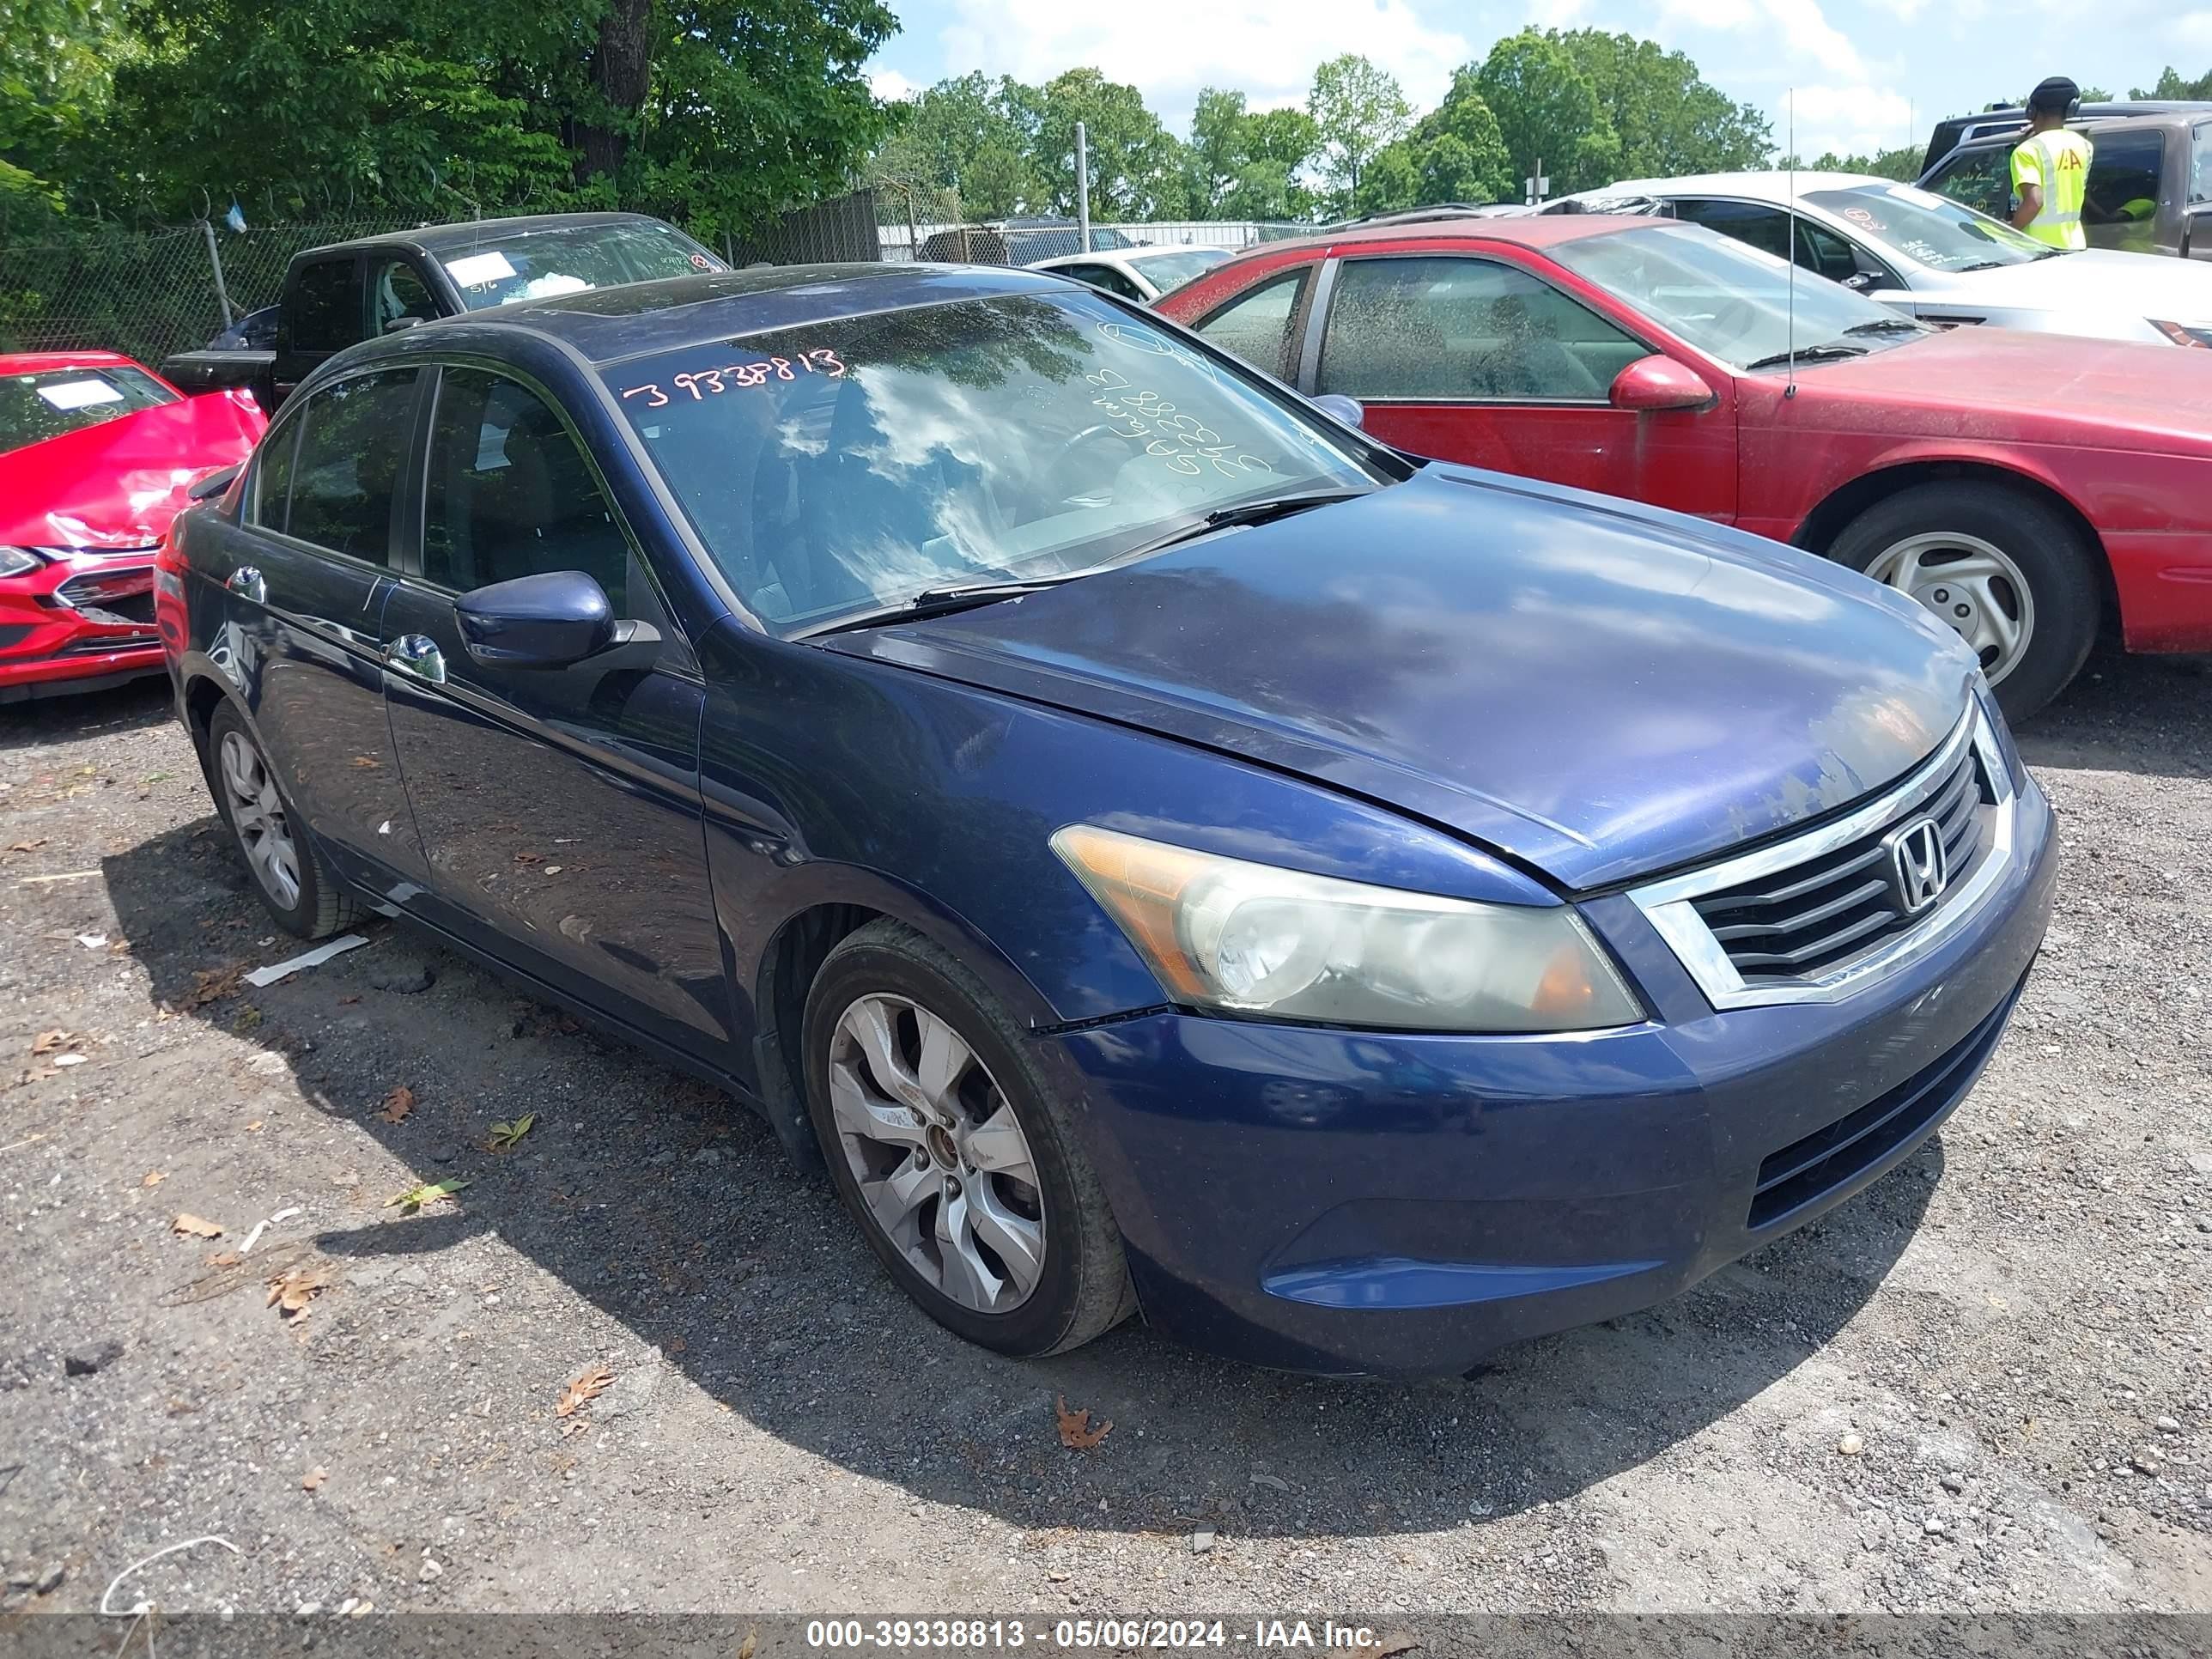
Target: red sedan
column 95, row 453
column 2021, row 486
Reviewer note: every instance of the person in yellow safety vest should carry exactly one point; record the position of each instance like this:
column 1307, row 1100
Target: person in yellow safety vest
column 2050, row 168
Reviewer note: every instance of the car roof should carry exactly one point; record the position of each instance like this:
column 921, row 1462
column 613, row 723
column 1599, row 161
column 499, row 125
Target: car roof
column 39, row 362
column 635, row 320
column 446, row 239
column 1772, row 185
column 2091, row 124
column 1534, row 231
column 1136, row 255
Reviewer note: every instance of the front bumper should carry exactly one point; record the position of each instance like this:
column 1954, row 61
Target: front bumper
column 79, row 620
column 1369, row 1202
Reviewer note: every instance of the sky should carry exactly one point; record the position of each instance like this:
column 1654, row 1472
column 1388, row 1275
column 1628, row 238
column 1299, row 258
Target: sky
column 1868, row 75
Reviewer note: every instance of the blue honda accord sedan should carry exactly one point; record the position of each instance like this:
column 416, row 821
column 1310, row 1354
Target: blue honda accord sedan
column 1157, row 849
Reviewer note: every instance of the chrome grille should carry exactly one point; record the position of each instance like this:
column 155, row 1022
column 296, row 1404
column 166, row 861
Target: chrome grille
column 1801, row 920
column 1804, row 920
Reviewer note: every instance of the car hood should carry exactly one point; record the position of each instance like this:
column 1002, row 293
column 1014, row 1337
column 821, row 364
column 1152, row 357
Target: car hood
column 118, row 484
column 2000, row 383
column 2132, row 285
column 1596, row 689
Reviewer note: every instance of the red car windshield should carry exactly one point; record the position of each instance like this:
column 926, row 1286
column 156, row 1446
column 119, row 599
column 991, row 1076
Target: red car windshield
column 49, row 401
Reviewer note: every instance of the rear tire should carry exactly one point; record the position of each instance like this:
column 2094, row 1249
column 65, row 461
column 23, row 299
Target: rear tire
column 290, row 875
column 978, row 1198
column 2014, row 578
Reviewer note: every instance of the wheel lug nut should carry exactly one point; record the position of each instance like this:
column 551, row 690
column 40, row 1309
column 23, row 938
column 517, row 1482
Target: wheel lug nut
column 1942, row 596
column 1962, row 610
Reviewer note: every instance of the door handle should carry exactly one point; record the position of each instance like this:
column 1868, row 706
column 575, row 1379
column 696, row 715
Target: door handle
column 245, row 583
column 417, row 655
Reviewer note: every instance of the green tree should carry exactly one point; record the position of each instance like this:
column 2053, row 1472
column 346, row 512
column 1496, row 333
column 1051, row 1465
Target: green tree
column 1902, row 164
column 1548, row 111
column 1459, row 149
column 1357, row 109
column 297, row 105
column 1136, row 166
column 54, row 90
column 1243, row 165
column 967, row 137
column 2172, row 85
column 1667, row 120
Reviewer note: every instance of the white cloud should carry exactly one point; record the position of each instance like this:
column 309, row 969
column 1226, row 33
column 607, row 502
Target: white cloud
column 1851, row 120
column 1170, row 49
column 890, row 86
column 2194, row 28
column 1806, row 34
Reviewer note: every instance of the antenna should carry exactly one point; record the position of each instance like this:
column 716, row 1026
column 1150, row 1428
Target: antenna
column 1789, row 251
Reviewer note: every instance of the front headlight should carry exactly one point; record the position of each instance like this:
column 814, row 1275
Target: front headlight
column 2184, row 334
column 1250, row 939
column 18, row 561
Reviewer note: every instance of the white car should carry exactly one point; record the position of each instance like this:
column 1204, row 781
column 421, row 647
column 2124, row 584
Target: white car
column 1932, row 258
column 1142, row 274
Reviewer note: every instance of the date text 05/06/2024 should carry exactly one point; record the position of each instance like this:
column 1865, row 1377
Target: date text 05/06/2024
column 830, row 1635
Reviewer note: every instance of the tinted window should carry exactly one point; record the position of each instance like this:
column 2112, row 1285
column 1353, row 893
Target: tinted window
column 1981, row 180
column 510, row 493
column 2126, row 171
column 353, row 449
column 2200, row 170
column 1256, row 324
column 1171, row 270
column 272, row 475
column 854, row 464
column 322, row 309
column 533, row 263
column 44, row 404
column 1766, row 228
column 1112, row 280
column 397, row 289
column 1442, row 328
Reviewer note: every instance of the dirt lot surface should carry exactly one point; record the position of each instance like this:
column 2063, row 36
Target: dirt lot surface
column 1984, row 1384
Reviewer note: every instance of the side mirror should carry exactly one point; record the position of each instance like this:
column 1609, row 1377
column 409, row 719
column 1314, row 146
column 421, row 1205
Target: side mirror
column 1654, row 383
column 1860, row 280
column 1338, row 407
column 398, row 323
column 212, row 483
column 545, row 621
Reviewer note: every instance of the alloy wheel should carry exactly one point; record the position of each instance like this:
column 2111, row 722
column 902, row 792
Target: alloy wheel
column 944, row 1169
column 256, row 812
column 1972, row 585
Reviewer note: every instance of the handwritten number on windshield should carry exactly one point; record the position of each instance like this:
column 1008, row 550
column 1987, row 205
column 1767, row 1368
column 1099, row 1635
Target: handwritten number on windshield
column 1184, row 444
column 698, row 382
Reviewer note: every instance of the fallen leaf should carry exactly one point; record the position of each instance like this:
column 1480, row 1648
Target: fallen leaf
column 366, row 762
column 575, row 1425
column 1388, row 1647
column 530, row 858
column 48, row 1042
column 26, row 846
column 193, row 1227
column 225, row 1259
column 294, row 1290
column 213, row 984
column 1075, row 1431
column 588, row 1387
column 746, row 1649
column 416, row 1197
column 397, row 1104
column 506, row 1137
column 252, row 1127
column 154, row 1177
column 312, row 1478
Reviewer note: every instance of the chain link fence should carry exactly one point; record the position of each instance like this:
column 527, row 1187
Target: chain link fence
column 150, row 294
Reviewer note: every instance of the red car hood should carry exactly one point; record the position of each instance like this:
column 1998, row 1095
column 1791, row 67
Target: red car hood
column 118, row 484
column 2010, row 385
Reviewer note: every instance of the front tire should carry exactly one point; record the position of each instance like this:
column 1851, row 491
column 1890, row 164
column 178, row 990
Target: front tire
column 2012, row 576
column 947, row 1146
column 293, row 882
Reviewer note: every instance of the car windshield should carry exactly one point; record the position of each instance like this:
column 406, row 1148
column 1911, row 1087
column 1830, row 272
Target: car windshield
column 852, row 466
column 570, row 258
column 44, row 404
column 1731, row 299
column 1169, row 271
column 1928, row 230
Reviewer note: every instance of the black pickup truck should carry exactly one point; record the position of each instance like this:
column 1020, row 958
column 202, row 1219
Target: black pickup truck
column 351, row 291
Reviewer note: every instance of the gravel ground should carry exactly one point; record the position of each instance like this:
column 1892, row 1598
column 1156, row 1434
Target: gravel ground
column 1982, row 1385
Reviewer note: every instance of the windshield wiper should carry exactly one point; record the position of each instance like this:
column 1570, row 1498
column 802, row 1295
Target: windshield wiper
column 1883, row 325
column 943, row 601
column 1988, row 265
column 1815, row 354
column 1247, row 513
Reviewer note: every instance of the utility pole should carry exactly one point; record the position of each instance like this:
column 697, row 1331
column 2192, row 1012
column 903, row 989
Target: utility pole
column 1082, row 187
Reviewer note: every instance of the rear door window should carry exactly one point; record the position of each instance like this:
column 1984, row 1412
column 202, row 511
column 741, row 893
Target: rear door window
column 1256, row 325
column 351, row 458
column 1766, row 228
column 322, row 307
column 397, row 289
column 2200, row 167
column 2126, row 175
column 1445, row 330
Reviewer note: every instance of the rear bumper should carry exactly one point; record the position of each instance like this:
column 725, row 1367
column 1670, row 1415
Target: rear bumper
column 1345, row 1202
column 2165, row 584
